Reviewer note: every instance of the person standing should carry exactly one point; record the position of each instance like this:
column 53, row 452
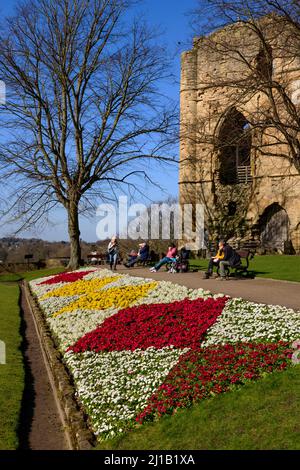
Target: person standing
column 113, row 252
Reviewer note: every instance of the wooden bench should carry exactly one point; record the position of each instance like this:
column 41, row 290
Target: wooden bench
column 242, row 268
column 152, row 258
column 144, row 262
column 94, row 259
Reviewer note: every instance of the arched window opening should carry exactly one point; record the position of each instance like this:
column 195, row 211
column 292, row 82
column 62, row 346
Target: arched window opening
column 234, row 145
column 274, row 229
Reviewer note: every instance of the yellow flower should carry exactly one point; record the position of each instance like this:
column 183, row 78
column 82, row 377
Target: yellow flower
column 117, row 297
column 80, row 287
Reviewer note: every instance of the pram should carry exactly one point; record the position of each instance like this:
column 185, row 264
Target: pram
column 181, row 264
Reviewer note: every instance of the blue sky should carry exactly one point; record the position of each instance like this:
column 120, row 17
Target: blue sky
column 170, row 15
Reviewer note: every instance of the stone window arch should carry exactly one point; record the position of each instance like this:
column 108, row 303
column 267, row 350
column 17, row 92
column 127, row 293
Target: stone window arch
column 274, row 227
column 234, row 148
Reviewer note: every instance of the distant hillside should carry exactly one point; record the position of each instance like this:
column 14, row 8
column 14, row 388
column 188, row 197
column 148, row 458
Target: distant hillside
column 13, row 249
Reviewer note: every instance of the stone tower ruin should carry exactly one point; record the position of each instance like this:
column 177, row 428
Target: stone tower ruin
column 233, row 159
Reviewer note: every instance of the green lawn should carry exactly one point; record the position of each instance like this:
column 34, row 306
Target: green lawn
column 262, row 415
column 282, row 267
column 12, row 374
column 29, row 275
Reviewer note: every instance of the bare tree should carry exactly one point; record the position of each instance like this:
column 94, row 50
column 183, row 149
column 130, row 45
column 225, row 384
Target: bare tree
column 83, row 112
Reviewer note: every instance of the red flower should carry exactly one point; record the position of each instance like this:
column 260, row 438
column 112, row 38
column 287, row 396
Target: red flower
column 65, row 277
column 181, row 324
column 210, row 372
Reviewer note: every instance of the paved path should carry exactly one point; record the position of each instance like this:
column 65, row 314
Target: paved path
column 260, row 290
column 41, row 427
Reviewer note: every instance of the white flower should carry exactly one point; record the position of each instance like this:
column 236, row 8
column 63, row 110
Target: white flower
column 110, row 395
column 248, row 321
column 114, row 387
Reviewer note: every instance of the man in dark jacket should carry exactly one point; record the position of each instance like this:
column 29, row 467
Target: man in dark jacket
column 231, row 258
column 143, row 255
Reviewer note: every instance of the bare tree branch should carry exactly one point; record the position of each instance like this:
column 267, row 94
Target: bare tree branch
column 83, row 110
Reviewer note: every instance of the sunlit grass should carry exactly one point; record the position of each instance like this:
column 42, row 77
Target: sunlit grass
column 262, row 415
column 12, row 375
column 284, row 267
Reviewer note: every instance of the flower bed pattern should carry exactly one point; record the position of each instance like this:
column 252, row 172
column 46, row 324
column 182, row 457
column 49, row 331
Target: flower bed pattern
column 248, row 321
column 114, row 387
column 139, row 348
column 179, row 324
column 79, row 288
column 117, row 297
column 211, row 371
column 65, row 277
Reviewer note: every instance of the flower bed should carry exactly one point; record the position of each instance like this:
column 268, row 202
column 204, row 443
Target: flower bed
column 211, row 371
column 78, row 287
column 247, row 321
column 118, row 297
column 179, row 324
column 139, row 348
column 64, row 277
column 114, row 387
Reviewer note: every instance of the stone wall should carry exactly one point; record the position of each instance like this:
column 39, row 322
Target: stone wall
column 205, row 98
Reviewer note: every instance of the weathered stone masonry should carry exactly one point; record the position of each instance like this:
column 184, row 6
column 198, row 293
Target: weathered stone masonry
column 260, row 183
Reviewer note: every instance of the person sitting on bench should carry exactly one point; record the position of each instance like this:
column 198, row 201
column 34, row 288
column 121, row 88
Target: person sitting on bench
column 132, row 256
column 142, row 255
column 231, row 258
column 169, row 258
column 215, row 261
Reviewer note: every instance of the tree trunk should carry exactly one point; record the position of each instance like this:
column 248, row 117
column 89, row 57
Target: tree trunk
column 74, row 234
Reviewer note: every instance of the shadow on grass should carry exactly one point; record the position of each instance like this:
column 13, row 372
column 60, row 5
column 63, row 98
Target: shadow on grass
column 28, row 398
column 257, row 273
